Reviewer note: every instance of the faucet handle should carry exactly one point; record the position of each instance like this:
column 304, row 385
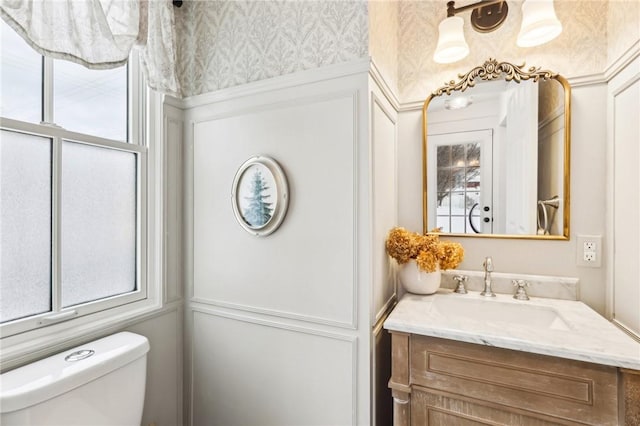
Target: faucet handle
column 520, row 283
column 521, row 293
column 462, row 281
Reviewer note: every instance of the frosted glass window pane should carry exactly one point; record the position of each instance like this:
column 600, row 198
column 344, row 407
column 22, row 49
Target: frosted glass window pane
column 98, row 223
column 20, row 78
column 25, row 225
column 93, row 102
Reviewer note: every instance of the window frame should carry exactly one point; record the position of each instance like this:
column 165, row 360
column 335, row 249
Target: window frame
column 59, row 322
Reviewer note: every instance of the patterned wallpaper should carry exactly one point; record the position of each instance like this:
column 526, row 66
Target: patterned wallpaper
column 225, row 43
column 581, row 49
column 623, row 27
column 383, row 38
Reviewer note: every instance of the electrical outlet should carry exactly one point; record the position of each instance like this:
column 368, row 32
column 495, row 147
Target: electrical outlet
column 589, row 251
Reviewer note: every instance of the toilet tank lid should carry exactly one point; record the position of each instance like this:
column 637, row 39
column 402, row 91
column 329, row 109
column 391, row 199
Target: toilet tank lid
column 45, row 379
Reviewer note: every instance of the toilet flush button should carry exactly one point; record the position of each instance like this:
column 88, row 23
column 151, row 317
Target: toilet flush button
column 78, row 355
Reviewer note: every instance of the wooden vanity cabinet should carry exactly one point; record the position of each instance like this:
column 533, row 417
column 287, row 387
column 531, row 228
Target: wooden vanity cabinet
column 445, row 382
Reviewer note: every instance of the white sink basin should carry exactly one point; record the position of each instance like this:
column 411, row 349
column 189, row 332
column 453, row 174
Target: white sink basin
column 497, row 311
column 561, row 328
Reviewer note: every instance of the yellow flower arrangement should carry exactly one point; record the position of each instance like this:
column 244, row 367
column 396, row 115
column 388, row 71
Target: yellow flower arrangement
column 427, row 250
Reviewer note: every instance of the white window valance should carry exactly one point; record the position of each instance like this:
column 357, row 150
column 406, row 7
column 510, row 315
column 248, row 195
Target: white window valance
column 100, row 34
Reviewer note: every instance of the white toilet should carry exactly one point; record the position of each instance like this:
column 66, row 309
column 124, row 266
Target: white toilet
column 98, row 383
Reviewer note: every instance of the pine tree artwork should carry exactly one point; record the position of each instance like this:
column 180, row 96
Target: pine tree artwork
column 258, row 211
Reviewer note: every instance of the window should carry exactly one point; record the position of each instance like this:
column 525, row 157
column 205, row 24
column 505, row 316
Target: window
column 73, row 166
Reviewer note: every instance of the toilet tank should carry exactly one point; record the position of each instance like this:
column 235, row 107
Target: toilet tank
column 97, row 383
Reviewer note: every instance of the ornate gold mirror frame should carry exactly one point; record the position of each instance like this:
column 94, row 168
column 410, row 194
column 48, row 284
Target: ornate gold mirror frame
column 494, row 70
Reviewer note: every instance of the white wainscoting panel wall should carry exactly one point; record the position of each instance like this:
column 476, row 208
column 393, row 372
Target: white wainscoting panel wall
column 384, row 209
column 163, row 395
column 282, row 329
column 306, row 269
column 624, row 196
column 261, row 373
column 173, row 131
column 383, row 134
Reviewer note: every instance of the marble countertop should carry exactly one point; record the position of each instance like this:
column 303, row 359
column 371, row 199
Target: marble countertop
column 588, row 336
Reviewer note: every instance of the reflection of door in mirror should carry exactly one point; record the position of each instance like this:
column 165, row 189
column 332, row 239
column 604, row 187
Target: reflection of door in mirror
column 463, row 184
column 519, row 153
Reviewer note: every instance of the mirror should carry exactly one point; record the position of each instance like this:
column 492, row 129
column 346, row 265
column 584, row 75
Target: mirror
column 496, row 154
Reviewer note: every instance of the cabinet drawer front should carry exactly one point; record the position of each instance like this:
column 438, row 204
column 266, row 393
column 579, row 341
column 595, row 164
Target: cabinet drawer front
column 560, row 388
column 439, row 410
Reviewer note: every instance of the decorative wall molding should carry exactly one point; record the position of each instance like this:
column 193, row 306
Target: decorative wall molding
column 197, row 307
column 411, row 106
column 623, row 61
column 296, row 79
column 247, row 108
column 627, row 330
column 625, row 73
column 45, row 346
column 349, row 339
column 384, row 107
column 367, row 65
column 587, row 80
column 173, row 131
column 386, row 308
column 375, row 100
column 204, row 117
column 383, row 85
column 272, row 313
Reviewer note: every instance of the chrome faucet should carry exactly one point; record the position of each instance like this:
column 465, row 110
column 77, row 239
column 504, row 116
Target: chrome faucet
column 488, row 269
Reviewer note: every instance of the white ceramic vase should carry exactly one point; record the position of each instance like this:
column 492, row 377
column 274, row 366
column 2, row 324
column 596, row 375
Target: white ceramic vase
column 416, row 281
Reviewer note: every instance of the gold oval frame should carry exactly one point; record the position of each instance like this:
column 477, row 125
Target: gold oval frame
column 493, row 70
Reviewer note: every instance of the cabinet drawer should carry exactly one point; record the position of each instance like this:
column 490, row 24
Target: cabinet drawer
column 552, row 388
column 429, row 409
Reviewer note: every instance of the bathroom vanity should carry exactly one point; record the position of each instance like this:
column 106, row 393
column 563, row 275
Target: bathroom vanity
column 470, row 360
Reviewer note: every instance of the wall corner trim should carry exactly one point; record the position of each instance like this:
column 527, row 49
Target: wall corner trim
column 619, row 64
column 329, row 72
column 384, row 86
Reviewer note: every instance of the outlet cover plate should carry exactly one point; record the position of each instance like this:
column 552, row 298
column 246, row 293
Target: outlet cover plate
column 589, row 251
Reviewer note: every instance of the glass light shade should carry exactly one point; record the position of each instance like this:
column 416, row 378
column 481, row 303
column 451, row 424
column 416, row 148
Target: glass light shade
column 539, row 23
column 458, row 102
column 451, row 44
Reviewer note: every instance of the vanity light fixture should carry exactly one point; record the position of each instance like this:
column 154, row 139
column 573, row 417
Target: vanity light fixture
column 539, row 25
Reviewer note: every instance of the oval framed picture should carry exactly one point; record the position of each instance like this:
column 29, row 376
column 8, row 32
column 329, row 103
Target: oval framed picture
column 260, row 195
